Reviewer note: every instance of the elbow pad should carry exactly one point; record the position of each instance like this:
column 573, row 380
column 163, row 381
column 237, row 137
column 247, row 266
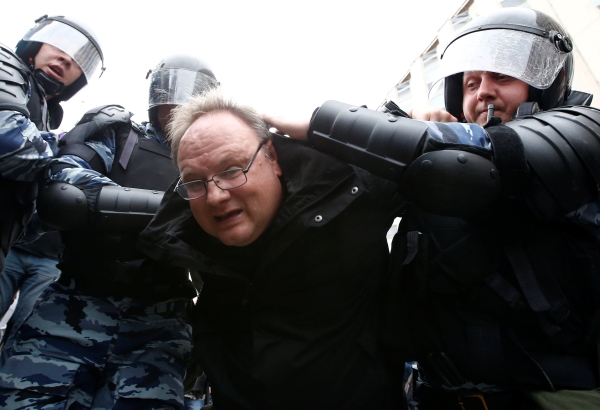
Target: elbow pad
column 450, row 183
column 103, row 208
column 381, row 143
column 63, row 207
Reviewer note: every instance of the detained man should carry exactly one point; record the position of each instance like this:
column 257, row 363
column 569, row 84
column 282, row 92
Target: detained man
column 291, row 246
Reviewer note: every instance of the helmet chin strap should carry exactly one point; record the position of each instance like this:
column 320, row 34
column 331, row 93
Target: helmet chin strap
column 51, row 86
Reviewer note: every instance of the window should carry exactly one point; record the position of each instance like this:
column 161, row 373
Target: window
column 431, row 66
column 515, row 3
column 404, row 95
column 460, row 20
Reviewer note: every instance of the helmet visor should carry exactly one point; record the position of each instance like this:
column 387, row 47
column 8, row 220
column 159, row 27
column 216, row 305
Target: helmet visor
column 530, row 58
column 177, row 85
column 68, row 40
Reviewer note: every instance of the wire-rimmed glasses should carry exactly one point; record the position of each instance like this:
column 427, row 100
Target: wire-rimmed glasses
column 229, row 179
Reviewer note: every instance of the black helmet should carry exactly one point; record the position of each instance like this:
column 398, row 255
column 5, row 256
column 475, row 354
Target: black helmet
column 70, row 36
column 519, row 42
column 175, row 79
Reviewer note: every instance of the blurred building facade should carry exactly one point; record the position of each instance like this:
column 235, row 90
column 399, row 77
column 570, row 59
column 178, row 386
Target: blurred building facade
column 581, row 19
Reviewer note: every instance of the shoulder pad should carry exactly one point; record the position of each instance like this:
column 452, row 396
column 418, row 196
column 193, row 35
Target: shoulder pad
column 96, row 120
column 14, row 82
column 562, row 146
column 109, row 114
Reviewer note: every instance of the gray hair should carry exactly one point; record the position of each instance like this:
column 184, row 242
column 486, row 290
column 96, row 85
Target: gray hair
column 184, row 116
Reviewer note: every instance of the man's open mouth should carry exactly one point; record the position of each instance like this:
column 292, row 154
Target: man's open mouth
column 56, row 70
column 228, row 215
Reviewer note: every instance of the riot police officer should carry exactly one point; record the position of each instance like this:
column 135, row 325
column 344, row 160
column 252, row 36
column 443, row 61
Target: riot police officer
column 53, row 61
column 112, row 309
column 494, row 284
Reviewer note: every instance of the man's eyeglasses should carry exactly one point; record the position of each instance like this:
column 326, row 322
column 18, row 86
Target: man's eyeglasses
column 232, row 178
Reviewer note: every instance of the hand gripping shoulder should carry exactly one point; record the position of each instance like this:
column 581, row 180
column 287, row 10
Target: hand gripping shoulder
column 14, row 82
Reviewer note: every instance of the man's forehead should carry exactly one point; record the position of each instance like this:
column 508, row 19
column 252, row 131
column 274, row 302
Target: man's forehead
column 216, row 129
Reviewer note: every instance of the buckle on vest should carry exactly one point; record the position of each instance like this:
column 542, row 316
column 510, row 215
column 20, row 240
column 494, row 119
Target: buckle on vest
column 470, row 404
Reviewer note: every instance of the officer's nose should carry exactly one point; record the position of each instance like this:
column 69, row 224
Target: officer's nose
column 487, row 89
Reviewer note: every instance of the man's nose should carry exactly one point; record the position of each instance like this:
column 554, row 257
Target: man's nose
column 487, row 89
column 65, row 58
column 215, row 195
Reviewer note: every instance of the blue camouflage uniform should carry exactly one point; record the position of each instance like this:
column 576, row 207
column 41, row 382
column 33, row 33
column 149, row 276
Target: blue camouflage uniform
column 89, row 345
column 26, row 269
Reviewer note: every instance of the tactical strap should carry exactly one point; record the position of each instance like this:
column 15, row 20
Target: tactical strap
column 128, row 148
column 505, row 290
column 529, row 284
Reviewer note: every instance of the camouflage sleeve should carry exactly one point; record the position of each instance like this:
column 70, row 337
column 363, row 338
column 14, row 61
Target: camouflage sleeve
column 459, row 134
column 24, row 151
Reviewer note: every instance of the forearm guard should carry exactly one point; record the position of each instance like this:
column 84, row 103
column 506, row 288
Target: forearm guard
column 448, row 182
column 110, row 209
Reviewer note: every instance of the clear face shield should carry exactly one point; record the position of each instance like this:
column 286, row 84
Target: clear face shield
column 69, row 40
column 530, row 58
column 176, row 85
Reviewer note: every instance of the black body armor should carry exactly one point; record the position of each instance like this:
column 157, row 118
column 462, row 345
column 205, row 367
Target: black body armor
column 506, row 296
column 101, row 256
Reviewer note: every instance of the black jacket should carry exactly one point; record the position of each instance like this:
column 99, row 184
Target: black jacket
column 291, row 321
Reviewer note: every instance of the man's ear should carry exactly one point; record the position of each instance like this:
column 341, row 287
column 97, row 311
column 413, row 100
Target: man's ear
column 272, row 156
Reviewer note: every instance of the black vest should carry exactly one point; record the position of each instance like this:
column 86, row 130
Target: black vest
column 142, row 163
column 109, row 263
